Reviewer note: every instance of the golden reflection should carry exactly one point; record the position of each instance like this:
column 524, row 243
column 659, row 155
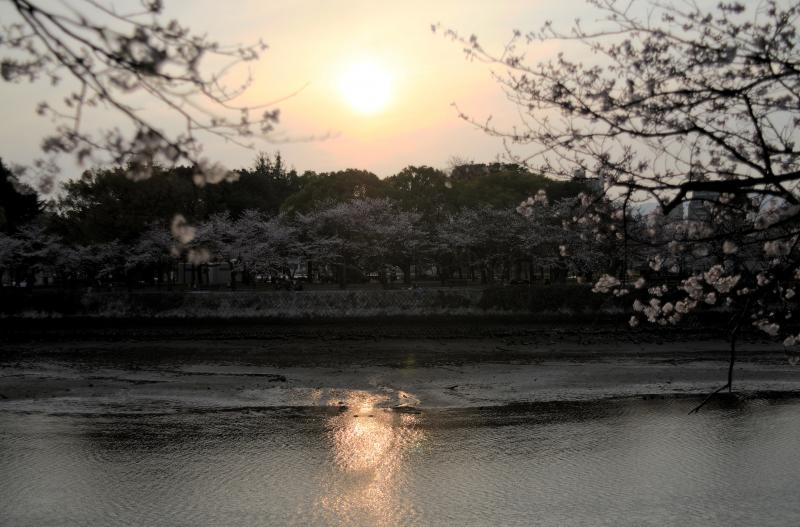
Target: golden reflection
column 369, row 448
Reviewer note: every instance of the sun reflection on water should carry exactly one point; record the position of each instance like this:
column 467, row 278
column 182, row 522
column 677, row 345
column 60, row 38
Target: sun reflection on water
column 369, row 448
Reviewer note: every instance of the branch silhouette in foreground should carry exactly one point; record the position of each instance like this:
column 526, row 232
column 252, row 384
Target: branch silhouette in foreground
column 113, row 61
column 694, row 110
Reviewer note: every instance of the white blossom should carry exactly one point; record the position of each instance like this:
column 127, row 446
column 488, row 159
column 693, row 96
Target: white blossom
column 605, row 283
column 726, row 284
column 656, row 291
column 181, row 230
column 693, row 287
column 776, row 248
column 655, row 302
column 770, row 328
column 656, row 262
column 712, row 275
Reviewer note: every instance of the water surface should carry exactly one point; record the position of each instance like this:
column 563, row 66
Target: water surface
column 628, row 462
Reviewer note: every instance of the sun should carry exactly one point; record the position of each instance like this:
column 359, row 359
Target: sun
column 366, row 86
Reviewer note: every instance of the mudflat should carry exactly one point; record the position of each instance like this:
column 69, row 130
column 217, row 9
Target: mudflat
column 91, row 366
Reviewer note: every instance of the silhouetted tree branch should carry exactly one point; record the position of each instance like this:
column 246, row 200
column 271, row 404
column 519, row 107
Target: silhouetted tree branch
column 681, row 106
column 112, row 59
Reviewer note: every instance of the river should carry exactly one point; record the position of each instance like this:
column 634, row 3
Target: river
column 616, row 462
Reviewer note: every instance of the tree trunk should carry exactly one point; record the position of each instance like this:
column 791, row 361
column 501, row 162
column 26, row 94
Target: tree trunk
column 731, row 363
column 384, row 276
column 734, row 334
column 343, row 273
column 233, row 276
column 407, row 272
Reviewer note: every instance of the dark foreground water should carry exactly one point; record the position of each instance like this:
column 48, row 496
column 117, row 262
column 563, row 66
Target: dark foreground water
column 608, row 463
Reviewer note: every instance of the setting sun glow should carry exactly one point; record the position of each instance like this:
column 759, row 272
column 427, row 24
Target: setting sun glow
column 366, row 86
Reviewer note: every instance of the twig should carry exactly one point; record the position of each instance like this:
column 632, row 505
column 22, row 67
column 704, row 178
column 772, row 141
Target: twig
column 709, row 396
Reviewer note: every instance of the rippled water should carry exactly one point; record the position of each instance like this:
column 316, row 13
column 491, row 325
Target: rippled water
column 609, row 463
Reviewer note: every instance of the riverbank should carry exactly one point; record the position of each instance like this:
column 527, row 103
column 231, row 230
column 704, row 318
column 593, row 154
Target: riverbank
column 555, row 301
column 134, row 367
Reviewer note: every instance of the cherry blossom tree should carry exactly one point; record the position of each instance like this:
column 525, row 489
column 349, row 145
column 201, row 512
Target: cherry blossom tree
column 153, row 253
column 271, row 244
column 9, row 246
column 339, row 234
column 34, row 252
column 98, row 263
column 486, row 240
column 218, row 234
column 364, row 234
column 684, row 107
column 403, row 239
column 583, row 235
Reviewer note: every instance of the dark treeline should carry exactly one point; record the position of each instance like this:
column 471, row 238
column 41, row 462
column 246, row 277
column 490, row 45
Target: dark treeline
column 271, row 224
column 107, row 205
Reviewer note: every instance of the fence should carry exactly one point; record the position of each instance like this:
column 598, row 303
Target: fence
column 553, row 299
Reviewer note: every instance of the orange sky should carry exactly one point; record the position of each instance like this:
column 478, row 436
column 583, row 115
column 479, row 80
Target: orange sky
column 312, row 43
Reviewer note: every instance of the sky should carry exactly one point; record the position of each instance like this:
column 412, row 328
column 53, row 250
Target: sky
column 376, row 85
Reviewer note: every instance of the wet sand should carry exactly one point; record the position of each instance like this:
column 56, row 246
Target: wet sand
column 413, row 366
